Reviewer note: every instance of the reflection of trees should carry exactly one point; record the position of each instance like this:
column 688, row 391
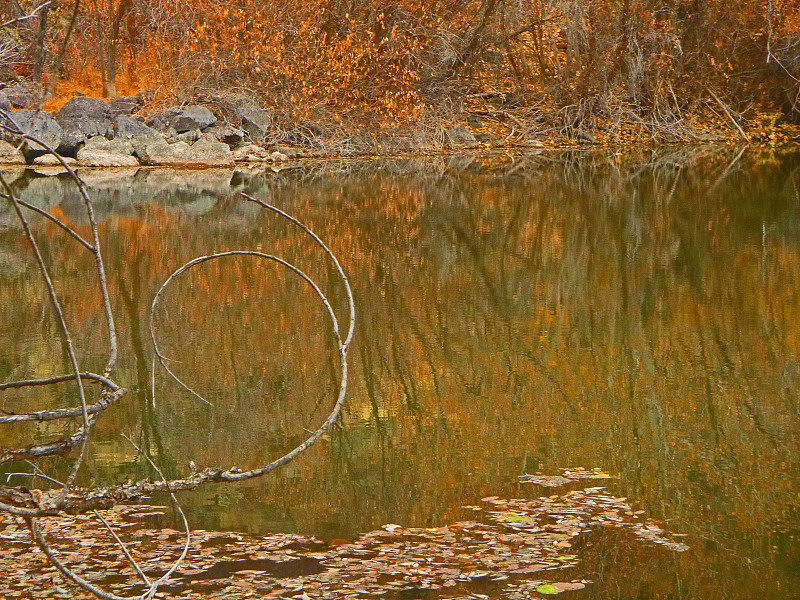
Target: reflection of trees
column 636, row 313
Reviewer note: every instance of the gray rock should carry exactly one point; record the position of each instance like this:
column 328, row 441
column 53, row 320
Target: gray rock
column 533, row 143
column 251, row 153
column 190, row 137
column 123, row 105
column 127, row 128
column 99, row 158
column 290, row 152
column 204, row 153
column 212, row 154
column 101, row 144
column 162, row 153
column 39, row 124
column 193, row 117
column 253, row 120
column 226, row 134
column 162, row 121
column 5, row 103
column 81, row 118
column 583, row 137
column 278, row 156
column 9, row 155
column 18, row 95
column 246, row 114
column 475, row 121
column 458, row 136
column 48, row 160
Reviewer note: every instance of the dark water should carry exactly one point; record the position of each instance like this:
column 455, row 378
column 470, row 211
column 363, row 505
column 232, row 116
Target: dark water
column 639, row 313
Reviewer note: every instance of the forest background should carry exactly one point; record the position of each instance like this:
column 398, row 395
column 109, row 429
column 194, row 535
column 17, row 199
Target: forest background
column 589, row 70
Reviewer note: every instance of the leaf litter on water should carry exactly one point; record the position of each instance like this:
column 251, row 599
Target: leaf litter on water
column 512, row 545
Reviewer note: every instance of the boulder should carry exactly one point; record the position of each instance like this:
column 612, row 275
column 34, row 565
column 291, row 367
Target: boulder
column 458, row 136
column 204, row 153
column 209, row 153
column 193, row 117
column 278, row 157
column 289, row 151
column 244, row 113
column 128, row 128
column 48, row 160
column 123, row 105
column 251, row 153
column 9, row 155
column 99, row 158
column 115, row 146
column 255, row 121
column 163, row 121
column 5, row 103
column 81, row 118
column 226, row 134
column 39, row 124
column 19, row 96
column 190, row 137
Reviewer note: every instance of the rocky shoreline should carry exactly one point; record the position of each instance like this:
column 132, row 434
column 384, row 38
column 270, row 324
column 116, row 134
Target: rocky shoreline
column 225, row 130
column 92, row 132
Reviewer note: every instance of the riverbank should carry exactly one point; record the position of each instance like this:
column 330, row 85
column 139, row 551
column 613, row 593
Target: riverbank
column 223, row 130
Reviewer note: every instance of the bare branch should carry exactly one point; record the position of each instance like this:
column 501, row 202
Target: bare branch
column 31, row 15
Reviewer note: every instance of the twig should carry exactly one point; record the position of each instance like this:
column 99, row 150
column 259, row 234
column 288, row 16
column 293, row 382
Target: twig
column 32, row 14
column 730, row 115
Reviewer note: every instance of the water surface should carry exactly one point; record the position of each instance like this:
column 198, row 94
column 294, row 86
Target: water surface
column 637, row 313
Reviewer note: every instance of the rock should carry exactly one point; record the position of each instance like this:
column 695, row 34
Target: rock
column 81, row 118
column 48, row 160
column 163, row 120
column 9, row 155
column 5, row 103
column 100, row 158
column 251, row 153
column 204, row 153
column 39, row 124
column 18, row 95
column 290, row 152
column 475, row 122
column 101, row 144
column 193, row 117
column 127, row 128
column 458, row 136
column 532, row 143
column 227, row 134
column 190, row 137
column 162, row 153
column 583, row 137
column 247, row 115
column 278, row 156
column 123, row 105
column 255, row 121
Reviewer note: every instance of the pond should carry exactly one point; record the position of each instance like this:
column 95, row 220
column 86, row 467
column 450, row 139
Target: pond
column 636, row 313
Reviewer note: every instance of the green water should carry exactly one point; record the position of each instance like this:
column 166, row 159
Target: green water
column 638, row 313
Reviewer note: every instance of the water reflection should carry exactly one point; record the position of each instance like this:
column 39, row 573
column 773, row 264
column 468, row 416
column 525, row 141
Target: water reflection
column 638, row 313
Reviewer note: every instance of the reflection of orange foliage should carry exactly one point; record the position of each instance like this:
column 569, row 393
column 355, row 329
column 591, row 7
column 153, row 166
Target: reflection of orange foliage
column 547, row 322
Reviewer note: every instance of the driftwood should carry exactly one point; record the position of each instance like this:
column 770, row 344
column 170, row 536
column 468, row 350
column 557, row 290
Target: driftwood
column 66, row 498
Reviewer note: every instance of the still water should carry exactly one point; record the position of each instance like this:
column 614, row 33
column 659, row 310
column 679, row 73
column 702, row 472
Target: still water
column 638, row 313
